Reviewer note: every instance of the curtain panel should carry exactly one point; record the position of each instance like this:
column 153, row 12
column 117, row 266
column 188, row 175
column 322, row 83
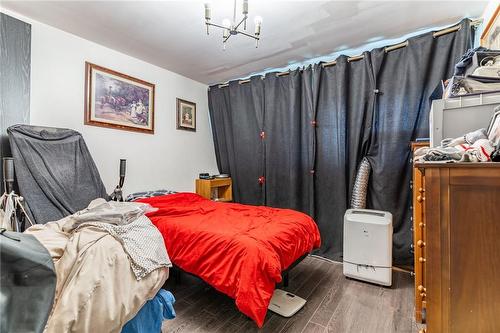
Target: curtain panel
column 237, row 117
column 295, row 141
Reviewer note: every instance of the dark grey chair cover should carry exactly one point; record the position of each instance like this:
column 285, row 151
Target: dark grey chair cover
column 28, row 283
column 54, row 170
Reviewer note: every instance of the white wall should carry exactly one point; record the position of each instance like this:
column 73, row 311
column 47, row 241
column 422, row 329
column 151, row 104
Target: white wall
column 169, row 159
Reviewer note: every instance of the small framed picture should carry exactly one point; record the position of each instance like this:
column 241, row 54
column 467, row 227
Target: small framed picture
column 186, row 115
column 494, row 129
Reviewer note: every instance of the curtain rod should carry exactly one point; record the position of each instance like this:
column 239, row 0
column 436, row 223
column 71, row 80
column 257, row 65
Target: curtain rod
column 330, row 63
column 387, row 49
column 355, row 58
column 283, row 73
column 446, row 31
column 405, row 43
column 350, row 59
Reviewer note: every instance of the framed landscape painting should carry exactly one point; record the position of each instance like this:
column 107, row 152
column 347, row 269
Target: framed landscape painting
column 186, row 115
column 117, row 100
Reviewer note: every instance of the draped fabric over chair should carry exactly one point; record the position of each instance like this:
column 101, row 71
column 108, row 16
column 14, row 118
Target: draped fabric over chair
column 295, row 141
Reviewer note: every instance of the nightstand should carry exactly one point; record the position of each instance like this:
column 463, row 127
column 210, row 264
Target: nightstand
column 218, row 189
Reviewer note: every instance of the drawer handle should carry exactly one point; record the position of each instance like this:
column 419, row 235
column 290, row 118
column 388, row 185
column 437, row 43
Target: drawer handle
column 421, row 224
column 423, row 295
column 421, row 190
column 421, row 259
column 421, row 288
column 420, row 243
column 420, row 198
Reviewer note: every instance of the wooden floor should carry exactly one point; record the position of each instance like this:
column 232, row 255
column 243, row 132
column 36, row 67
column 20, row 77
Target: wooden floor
column 334, row 304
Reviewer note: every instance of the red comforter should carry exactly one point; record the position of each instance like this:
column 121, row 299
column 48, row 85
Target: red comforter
column 238, row 249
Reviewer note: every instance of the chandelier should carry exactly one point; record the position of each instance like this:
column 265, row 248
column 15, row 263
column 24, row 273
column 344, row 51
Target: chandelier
column 230, row 28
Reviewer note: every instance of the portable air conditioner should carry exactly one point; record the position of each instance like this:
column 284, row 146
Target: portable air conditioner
column 368, row 246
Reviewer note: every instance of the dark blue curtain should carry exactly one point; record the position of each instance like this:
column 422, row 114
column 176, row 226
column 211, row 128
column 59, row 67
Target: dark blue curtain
column 318, row 124
column 237, row 119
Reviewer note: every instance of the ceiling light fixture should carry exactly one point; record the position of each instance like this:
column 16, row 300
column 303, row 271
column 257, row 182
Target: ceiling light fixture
column 230, row 28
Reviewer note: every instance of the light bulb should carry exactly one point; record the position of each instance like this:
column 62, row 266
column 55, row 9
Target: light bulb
column 226, row 23
column 245, row 7
column 208, row 11
column 258, row 24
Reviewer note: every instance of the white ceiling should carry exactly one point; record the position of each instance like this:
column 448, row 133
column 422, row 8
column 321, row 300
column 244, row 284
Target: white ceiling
column 171, row 34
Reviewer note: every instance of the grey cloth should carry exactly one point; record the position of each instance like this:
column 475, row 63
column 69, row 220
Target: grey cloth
column 466, row 61
column 479, row 151
column 438, row 154
column 54, row 170
column 468, row 138
column 28, row 283
column 126, row 222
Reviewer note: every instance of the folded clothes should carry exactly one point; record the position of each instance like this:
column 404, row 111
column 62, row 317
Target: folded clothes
column 468, row 138
column 112, row 212
column 459, row 85
column 126, row 222
column 472, row 147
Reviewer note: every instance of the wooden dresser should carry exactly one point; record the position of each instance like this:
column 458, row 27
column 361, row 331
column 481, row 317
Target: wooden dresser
column 457, row 246
column 419, row 237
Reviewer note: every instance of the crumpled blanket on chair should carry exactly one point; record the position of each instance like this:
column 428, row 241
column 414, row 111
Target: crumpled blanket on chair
column 97, row 290
column 54, row 171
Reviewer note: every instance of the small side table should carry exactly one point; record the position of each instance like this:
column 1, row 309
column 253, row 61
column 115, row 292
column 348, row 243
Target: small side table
column 218, row 189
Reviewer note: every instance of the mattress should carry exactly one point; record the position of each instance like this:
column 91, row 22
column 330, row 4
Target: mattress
column 238, row 249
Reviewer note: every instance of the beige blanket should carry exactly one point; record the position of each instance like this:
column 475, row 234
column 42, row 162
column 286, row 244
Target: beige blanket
column 97, row 290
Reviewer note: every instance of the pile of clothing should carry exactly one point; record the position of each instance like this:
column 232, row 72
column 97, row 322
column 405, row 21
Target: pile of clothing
column 472, row 147
column 477, row 72
column 109, row 260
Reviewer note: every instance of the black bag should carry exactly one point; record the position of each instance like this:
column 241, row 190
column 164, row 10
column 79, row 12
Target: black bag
column 28, row 283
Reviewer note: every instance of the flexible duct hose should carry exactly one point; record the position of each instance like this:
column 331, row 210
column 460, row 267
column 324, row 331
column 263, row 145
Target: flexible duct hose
column 358, row 200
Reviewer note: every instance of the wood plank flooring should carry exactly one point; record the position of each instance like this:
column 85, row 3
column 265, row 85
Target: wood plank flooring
column 334, row 304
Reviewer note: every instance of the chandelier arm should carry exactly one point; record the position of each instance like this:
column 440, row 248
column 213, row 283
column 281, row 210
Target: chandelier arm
column 248, row 35
column 225, row 40
column 216, row 25
column 242, row 20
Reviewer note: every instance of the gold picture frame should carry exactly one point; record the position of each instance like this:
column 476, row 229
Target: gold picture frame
column 490, row 38
column 116, row 100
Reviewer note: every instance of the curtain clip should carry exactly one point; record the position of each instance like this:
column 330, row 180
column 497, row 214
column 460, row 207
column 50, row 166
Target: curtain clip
column 376, row 91
column 312, row 171
column 262, row 180
column 314, row 123
column 262, row 135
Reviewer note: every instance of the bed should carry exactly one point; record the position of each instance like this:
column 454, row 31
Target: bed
column 240, row 250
